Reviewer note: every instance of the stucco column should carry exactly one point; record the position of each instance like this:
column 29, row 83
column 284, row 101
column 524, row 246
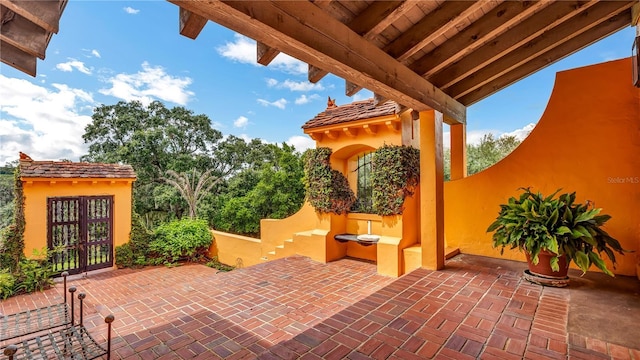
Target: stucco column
column 431, row 190
column 458, row 151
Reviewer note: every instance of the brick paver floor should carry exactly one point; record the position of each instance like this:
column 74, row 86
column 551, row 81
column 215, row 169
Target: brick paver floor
column 297, row 308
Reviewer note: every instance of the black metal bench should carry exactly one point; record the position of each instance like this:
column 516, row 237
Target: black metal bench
column 32, row 321
column 64, row 339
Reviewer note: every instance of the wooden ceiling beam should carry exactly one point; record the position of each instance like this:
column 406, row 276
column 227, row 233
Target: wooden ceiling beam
column 191, row 24
column 373, row 15
column 315, row 74
column 309, row 34
column 44, row 13
column 517, row 36
column 562, row 33
column 434, row 24
column 398, row 12
column 579, row 42
column 265, row 54
column 17, row 58
column 489, row 26
column 350, row 88
column 23, row 34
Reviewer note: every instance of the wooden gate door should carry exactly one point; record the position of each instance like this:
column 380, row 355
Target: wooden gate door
column 81, row 233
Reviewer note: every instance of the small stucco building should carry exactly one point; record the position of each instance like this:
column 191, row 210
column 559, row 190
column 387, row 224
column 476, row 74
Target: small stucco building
column 81, row 209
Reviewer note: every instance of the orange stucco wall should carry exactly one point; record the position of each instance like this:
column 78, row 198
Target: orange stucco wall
column 37, row 190
column 587, row 140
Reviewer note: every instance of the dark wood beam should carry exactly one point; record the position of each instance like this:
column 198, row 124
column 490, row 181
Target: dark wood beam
column 560, row 34
column 489, row 26
column 191, row 24
column 266, row 54
column 23, row 34
column 44, row 13
column 436, row 23
column 315, row 74
column 351, row 89
column 17, row 58
column 309, row 34
column 517, row 36
column 579, row 42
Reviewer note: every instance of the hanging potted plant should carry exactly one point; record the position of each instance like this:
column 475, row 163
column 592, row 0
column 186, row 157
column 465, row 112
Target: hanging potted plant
column 553, row 231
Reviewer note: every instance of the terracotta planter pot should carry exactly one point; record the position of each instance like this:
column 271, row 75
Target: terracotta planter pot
column 543, row 268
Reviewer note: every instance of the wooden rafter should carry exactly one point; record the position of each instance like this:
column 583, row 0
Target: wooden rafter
column 443, row 18
column 308, row 33
column 191, row 24
column 545, row 43
column 45, row 14
column 577, row 43
column 265, row 53
column 489, row 26
column 316, row 74
column 517, row 36
column 372, row 16
column 23, row 34
column 393, row 16
column 351, row 89
column 17, row 58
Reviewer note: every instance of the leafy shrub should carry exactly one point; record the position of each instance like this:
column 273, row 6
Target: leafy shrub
column 135, row 252
column 34, row 275
column 396, row 174
column 184, row 239
column 7, row 282
column 328, row 190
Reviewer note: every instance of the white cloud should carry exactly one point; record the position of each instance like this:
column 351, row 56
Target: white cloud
column 301, row 143
column 295, row 85
column 149, row 84
column 45, row 123
column 272, row 82
column 521, row 133
column 281, row 104
column 95, row 53
column 243, row 50
column 73, row 64
column 241, row 122
column 304, row 99
column 130, row 10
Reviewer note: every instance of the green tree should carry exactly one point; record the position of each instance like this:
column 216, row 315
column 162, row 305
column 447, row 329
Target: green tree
column 155, row 139
column 271, row 188
column 192, row 186
column 488, row 152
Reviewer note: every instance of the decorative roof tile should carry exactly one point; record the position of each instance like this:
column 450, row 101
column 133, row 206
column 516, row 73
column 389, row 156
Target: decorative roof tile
column 67, row 169
column 357, row 110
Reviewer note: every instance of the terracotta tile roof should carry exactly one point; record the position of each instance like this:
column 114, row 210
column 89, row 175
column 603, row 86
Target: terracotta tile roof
column 65, row 169
column 358, row 110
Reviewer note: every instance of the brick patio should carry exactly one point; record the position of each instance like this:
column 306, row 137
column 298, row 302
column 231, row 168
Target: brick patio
column 297, row 308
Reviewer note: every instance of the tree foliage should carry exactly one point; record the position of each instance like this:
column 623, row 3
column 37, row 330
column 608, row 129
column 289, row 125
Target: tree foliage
column 154, row 140
column 272, row 189
column 488, row 152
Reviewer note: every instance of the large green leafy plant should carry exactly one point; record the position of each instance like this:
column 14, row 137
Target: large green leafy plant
column 533, row 223
column 327, row 189
column 396, row 175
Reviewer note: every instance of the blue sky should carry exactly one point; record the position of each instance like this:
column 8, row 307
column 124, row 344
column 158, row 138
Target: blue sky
column 108, row 51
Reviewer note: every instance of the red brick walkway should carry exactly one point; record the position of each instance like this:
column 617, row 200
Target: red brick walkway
column 296, row 308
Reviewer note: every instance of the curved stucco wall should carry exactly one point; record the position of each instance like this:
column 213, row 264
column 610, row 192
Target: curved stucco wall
column 587, row 140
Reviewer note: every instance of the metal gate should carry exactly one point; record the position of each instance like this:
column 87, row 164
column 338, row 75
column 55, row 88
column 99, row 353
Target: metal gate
column 80, row 233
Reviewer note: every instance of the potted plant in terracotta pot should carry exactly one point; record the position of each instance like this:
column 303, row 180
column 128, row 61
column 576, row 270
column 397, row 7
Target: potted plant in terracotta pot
column 553, row 231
